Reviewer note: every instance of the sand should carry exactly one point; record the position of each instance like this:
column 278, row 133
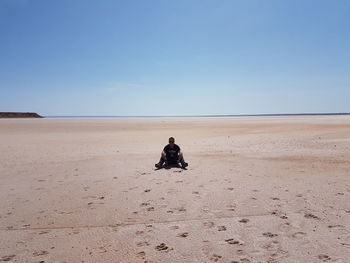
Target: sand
column 257, row 189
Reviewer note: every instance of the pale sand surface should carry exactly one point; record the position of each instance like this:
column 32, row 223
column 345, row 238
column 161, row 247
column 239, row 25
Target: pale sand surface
column 258, row 189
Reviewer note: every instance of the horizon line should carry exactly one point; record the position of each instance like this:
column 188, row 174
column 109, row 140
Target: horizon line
column 188, row 116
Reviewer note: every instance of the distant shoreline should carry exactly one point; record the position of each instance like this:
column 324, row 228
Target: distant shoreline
column 202, row 116
column 10, row 115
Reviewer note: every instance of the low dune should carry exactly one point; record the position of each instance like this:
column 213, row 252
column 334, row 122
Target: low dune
column 19, row 115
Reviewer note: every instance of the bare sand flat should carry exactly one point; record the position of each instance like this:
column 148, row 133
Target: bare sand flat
column 257, row 189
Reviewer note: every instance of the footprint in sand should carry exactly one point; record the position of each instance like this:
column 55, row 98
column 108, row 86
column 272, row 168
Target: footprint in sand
column 221, row 228
column 269, row 234
column 40, row 253
column 231, row 207
column 150, row 208
column 141, row 254
column 215, row 257
column 162, row 247
column 298, row 234
column 277, row 213
column 240, row 252
column 244, row 220
column 271, row 246
column 180, row 209
column 324, row 257
column 7, row 258
column 44, row 232
column 142, row 244
column 185, row 234
column 174, row 227
column 309, row 215
column 102, row 249
column 335, row 226
column 147, row 190
column 231, row 241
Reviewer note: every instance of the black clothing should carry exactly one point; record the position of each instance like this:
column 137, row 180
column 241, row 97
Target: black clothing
column 162, row 161
column 172, row 153
column 172, row 157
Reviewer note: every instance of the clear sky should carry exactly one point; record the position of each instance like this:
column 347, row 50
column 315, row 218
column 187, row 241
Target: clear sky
column 183, row 57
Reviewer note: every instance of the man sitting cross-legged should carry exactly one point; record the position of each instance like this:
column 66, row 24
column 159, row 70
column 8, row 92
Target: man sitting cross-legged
column 171, row 155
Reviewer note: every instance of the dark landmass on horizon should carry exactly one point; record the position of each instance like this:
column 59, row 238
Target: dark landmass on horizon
column 186, row 116
column 19, row 115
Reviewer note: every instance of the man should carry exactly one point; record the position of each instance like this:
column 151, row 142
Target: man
column 171, row 155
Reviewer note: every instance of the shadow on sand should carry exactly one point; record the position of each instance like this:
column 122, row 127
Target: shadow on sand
column 169, row 166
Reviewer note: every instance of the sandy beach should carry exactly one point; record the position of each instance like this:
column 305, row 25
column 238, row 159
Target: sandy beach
column 257, row 189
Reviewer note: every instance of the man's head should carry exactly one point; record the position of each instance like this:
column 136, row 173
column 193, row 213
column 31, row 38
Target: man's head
column 171, row 141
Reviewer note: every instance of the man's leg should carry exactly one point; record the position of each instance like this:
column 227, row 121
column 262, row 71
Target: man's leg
column 161, row 161
column 182, row 161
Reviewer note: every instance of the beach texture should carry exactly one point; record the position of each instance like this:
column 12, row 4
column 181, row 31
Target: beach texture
column 257, row 189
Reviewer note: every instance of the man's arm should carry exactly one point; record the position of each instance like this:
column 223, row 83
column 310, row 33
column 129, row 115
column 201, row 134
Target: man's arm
column 164, row 153
column 180, row 152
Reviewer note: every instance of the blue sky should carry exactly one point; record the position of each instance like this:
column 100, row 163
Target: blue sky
column 184, row 57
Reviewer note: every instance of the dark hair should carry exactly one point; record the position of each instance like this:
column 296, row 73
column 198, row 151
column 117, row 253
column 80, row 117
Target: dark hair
column 171, row 139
